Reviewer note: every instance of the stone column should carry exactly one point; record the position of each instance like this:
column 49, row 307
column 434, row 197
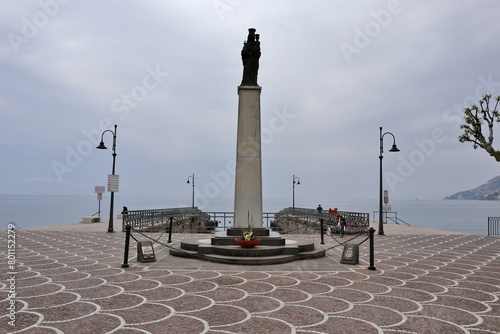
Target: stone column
column 248, row 181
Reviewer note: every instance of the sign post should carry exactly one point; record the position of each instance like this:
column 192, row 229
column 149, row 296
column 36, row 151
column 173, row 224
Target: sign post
column 350, row 255
column 387, row 206
column 99, row 190
column 145, row 251
column 113, row 183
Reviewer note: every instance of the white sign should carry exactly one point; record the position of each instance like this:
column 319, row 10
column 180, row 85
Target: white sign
column 113, row 183
column 99, row 196
column 100, row 189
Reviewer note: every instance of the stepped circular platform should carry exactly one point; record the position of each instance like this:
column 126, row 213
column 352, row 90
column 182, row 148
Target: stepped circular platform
column 223, row 249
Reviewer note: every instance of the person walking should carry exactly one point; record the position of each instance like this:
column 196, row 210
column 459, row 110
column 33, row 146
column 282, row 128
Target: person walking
column 341, row 227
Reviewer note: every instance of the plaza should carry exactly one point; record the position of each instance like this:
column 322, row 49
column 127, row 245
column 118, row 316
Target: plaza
column 69, row 279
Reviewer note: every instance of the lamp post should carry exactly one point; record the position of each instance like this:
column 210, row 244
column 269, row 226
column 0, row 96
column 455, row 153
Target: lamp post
column 192, row 180
column 102, row 147
column 393, row 149
column 293, row 188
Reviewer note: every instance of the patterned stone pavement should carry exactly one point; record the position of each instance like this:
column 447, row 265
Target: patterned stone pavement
column 72, row 282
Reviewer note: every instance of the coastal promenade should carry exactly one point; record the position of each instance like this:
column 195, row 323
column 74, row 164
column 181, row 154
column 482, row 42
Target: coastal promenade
column 69, row 279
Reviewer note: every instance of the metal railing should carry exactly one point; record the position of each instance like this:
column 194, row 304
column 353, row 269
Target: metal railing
column 186, row 219
column 388, row 217
column 493, row 225
column 224, row 220
column 306, row 221
column 287, row 221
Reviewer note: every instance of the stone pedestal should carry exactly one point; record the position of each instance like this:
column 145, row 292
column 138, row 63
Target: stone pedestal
column 248, row 180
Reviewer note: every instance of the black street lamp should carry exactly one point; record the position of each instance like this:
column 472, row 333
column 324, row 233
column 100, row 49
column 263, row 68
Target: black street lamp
column 192, row 180
column 393, row 149
column 102, row 147
column 293, row 188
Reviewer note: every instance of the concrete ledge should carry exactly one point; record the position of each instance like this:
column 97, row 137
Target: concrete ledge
column 258, row 232
column 90, row 220
column 258, row 251
column 237, row 260
column 265, row 241
column 229, row 253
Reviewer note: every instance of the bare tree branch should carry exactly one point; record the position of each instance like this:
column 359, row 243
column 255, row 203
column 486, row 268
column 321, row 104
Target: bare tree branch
column 475, row 117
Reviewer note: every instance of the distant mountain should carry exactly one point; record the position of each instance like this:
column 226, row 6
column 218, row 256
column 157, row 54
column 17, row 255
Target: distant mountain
column 489, row 191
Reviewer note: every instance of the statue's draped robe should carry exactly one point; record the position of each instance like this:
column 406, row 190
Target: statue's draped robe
column 250, row 56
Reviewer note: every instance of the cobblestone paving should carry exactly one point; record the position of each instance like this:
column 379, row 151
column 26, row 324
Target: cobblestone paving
column 73, row 282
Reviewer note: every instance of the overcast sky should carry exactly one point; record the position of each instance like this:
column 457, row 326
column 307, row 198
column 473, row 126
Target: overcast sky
column 166, row 73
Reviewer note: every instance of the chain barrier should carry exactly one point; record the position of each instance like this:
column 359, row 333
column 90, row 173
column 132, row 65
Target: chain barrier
column 142, row 233
column 179, row 251
column 343, row 243
column 133, row 237
column 205, row 258
column 191, row 255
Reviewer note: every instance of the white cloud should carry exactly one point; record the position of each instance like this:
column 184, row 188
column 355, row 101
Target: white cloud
column 63, row 81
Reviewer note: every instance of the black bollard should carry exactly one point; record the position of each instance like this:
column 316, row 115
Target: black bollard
column 372, row 252
column 127, row 244
column 170, row 230
column 321, row 231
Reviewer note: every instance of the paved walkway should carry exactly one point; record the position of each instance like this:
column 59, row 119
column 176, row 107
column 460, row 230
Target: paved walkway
column 69, row 279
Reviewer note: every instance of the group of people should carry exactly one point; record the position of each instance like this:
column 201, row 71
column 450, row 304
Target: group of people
column 341, row 222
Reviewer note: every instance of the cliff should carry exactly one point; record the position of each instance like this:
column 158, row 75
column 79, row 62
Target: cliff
column 488, row 191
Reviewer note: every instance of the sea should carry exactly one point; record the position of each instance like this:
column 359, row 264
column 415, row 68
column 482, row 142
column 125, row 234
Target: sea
column 464, row 216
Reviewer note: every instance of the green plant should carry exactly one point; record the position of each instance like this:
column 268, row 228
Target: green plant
column 247, row 233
